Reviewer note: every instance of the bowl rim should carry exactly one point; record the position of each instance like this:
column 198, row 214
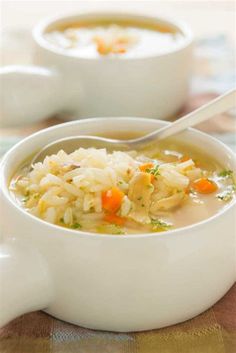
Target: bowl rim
column 40, row 28
column 172, row 232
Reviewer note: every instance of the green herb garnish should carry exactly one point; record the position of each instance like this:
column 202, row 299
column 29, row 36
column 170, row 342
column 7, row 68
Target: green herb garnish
column 118, row 231
column 159, row 226
column 225, row 173
column 27, row 196
column 115, row 229
column 110, row 229
column 76, row 226
column 227, row 194
column 154, row 171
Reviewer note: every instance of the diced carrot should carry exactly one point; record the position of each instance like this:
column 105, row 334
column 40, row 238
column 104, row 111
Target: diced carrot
column 205, row 186
column 113, row 218
column 184, row 159
column 145, row 166
column 118, row 50
column 188, row 188
column 103, row 48
column 111, row 199
column 187, row 158
column 152, row 178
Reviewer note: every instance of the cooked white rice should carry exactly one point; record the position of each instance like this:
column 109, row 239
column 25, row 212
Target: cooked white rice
column 67, row 189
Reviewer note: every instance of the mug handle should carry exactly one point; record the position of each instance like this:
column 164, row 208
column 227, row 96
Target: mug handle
column 25, row 283
column 29, row 94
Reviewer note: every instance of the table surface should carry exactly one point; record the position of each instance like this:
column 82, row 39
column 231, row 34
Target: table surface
column 211, row 332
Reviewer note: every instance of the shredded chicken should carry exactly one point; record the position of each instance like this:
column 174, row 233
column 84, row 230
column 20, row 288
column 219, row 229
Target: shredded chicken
column 167, row 203
column 140, row 190
column 161, row 190
column 172, row 177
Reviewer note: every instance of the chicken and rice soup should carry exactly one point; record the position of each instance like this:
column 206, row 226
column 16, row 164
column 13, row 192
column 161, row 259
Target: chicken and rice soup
column 113, row 38
column 124, row 192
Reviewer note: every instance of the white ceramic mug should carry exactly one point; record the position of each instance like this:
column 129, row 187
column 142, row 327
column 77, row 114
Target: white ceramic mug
column 151, row 86
column 110, row 282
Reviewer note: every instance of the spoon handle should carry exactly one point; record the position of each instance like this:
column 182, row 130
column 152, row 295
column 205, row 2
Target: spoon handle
column 207, row 111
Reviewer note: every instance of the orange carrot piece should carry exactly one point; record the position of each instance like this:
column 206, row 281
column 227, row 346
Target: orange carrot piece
column 145, row 166
column 113, row 218
column 152, row 178
column 184, row 159
column 205, row 186
column 187, row 158
column 187, row 189
column 118, row 50
column 111, row 199
column 103, row 48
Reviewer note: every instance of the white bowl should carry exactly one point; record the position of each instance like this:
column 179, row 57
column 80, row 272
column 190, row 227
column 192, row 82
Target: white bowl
column 108, row 282
column 153, row 86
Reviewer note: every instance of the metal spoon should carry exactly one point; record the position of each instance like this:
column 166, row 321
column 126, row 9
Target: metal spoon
column 207, row 111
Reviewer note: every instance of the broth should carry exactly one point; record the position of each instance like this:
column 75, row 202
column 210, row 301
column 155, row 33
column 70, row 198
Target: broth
column 153, row 190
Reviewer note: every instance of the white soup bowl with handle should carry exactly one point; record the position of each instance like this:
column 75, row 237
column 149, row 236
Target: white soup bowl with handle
column 150, row 85
column 109, row 282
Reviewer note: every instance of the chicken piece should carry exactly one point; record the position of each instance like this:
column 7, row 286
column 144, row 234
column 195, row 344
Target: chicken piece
column 172, row 177
column 167, row 203
column 194, row 174
column 140, row 190
column 161, row 190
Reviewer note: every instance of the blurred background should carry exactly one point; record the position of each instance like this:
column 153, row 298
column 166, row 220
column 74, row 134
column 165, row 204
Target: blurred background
column 213, row 25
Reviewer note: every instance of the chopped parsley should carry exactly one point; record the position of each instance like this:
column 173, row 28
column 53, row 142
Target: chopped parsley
column 115, row 229
column 110, row 229
column 159, row 226
column 118, row 230
column 76, row 226
column 27, row 196
column 154, row 171
column 225, row 173
column 227, row 194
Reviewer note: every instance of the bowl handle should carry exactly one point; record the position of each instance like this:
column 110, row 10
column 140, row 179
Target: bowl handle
column 29, row 94
column 25, row 283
